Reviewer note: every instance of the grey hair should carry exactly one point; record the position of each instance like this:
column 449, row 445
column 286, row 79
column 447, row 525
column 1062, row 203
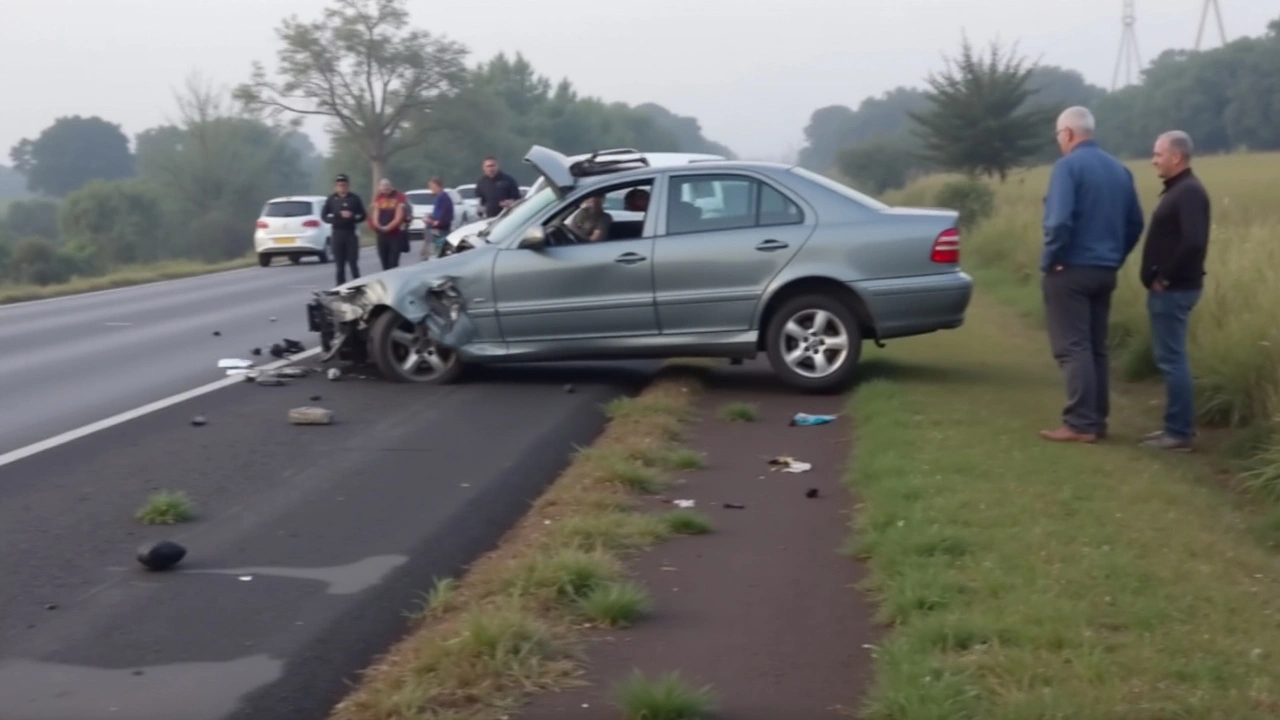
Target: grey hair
column 1078, row 119
column 387, row 181
column 1179, row 142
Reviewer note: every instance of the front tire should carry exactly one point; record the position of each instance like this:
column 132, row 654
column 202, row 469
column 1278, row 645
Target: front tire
column 403, row 353
column 814, row 343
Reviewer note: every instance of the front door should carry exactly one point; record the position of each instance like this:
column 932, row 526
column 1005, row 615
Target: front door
column 726, row 236
column 576, row 292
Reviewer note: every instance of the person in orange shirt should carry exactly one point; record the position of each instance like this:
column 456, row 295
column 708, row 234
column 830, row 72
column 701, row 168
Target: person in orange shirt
column 388, row 221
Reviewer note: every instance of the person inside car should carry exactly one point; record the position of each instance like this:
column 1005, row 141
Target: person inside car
column 591, row 222
column 636, row 200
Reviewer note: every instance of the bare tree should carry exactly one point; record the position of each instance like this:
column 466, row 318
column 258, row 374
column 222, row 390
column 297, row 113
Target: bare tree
column 362, row 66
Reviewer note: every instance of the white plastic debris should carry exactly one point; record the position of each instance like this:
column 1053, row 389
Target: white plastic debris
column 239, row 371
column 245, row 578
column 334, row 373
column 791, row 465
column 683, row 503
column 234, row 363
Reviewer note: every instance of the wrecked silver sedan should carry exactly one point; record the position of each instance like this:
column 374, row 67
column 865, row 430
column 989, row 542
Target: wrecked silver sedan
column 714, row 259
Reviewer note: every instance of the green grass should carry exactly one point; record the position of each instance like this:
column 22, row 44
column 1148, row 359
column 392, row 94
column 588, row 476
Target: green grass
column 666, row 698
column 684, row 459
column 124, row 277
column 739, row 412
column 616, row 605
column 1025, row 579
column 1234, row 342
column 687, row 522
column 166, row 508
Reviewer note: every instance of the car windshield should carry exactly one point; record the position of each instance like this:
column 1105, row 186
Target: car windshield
column 421, row 198
column 840, row 189
column 288, row 209
column 519, row 214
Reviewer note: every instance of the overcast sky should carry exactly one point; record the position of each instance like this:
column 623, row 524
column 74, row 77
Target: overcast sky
column 751, row 72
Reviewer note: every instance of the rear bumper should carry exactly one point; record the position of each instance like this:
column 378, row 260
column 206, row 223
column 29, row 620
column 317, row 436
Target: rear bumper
column 311, row 243
column 917, row 305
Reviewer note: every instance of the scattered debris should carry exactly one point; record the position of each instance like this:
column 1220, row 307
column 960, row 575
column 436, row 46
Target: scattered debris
column 569, row 388
column 315, row 398
column 256, row 352
column 273, row 319
column 249, row 375
column 734, row 506
column 217, row 333
column 199, row 421
column 241, row 371
column 334, row 374
column 245, row 578
column 277, row 350
column 293, row 371
column 293, row 347
column 51, row 606
column 805, row 419
column 235, row 363
column 310, row 416
column 683, row 503
column 811, row 493
column 161, row 556
column 270, row 380
column 791, row 465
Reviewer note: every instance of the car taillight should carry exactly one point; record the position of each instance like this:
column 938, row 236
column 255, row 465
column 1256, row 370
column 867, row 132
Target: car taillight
column 946, row 248
column 262, row 224
column 311, row 223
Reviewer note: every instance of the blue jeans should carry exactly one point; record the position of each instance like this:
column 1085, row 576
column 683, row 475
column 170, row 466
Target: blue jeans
column 1170, row 312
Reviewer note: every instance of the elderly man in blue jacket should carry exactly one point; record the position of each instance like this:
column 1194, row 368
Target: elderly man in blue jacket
column 1092, row 221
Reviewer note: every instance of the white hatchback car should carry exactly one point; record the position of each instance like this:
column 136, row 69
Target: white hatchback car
column 470, row 233
column 469, row 210
column 423, row 202
column 291, row 227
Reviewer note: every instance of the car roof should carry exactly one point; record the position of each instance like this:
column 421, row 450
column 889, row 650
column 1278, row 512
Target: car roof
column 700, row 166
column 297, row 198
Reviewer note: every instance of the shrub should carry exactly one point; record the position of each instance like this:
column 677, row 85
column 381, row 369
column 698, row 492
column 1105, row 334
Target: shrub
column 973, row 199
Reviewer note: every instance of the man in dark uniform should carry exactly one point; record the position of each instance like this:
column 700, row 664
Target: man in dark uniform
column 344, row 211
column 496, row 189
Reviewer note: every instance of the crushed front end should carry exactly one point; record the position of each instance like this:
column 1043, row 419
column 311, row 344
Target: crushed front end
column 342, row 320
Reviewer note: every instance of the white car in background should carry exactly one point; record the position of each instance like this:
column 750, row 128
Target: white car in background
column 292, row 227
column 423, row 202
column 471, row 233
column 469, row 211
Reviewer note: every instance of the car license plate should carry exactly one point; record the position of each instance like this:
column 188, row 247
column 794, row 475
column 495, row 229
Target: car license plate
column 286, row 241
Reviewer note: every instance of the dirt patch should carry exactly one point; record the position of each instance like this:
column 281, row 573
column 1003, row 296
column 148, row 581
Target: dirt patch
column 763, row 610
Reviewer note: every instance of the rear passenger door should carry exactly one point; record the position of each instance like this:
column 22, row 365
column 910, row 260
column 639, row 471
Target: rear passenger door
column 724, row 237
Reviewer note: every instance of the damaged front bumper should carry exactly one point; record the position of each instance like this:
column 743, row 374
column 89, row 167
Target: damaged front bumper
column 343, row 318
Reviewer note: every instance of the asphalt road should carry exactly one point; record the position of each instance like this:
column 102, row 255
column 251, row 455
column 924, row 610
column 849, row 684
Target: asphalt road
column 70, row 361
column 309, row 544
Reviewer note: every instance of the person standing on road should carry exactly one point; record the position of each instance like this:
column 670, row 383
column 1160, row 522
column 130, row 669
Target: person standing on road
column 344, row 211
column 440, row 221
column 1173, row 272
column 496, row 189
column 388, row 223
column 1092, row 221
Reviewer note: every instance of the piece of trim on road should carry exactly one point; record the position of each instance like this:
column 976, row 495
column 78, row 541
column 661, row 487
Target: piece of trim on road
column 49, row 443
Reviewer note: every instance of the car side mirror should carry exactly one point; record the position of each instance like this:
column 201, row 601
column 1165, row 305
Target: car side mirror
column 534, row 239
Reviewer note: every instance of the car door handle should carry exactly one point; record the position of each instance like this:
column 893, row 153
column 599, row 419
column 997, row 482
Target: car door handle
column 630, row 258
column 770, row 245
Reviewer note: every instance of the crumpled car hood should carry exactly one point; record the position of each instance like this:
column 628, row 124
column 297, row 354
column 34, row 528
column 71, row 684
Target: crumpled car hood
column 404, row 289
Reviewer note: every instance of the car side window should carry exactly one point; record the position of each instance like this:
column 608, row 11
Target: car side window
column 777, row 209
column 704, row 203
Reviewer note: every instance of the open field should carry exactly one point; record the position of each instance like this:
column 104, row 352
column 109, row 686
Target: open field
column 1235, row 342
column 1026, row 579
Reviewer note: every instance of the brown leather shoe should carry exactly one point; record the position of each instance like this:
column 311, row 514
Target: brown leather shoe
column 1066, row 434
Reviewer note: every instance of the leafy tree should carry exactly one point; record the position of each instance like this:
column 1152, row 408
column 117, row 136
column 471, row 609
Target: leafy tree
column 687, row 131
column 12, row 184
column 33, row 218
column 363, row 67
column 72, row 152
column 115, row 223
column 38, row 261
column 977, row 122
column 881, row 165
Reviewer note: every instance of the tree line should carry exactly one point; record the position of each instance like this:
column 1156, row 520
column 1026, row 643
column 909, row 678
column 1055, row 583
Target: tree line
column 986, row 113
column 192, row 188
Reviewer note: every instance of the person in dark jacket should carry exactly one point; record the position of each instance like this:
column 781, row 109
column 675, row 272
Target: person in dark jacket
column 1173, row 273
column 440, row 221
column 496, row 189
column 388, row 223
column 344, row 211
column 1092, row 221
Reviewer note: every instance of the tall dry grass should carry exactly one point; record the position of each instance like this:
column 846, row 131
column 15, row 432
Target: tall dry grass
column 1234, row 343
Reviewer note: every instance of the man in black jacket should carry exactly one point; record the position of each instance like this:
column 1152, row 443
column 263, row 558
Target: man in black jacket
column 496, row 189
column 1173, row 273
column 344, row 211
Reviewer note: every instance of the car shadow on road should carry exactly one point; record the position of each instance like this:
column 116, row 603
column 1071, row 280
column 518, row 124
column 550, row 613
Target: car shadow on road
column 610, row 373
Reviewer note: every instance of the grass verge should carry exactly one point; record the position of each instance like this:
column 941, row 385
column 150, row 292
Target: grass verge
column 166, row 508
column 1025, row 579
column 513, row 624
column 666, row 698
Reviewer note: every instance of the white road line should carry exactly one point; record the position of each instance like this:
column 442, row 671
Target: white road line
column 49, row 443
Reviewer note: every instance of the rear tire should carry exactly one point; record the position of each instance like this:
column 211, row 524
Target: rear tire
column 392, row 340
column 814, row 343
column 323, row 255
column 264, row 259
